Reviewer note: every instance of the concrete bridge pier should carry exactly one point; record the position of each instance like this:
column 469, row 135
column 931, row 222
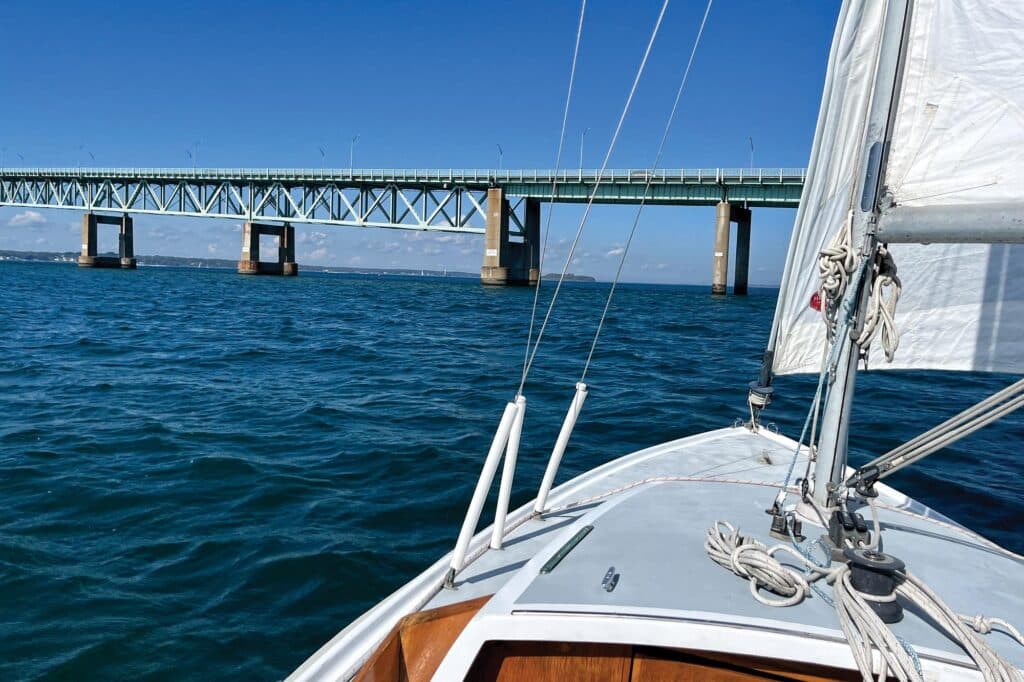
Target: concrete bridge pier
column 724, row 215
column 510, row 260
column 250, row 263
column 89, row 257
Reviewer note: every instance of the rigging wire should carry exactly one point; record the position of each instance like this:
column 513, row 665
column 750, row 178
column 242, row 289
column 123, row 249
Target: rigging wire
column 593, row 194
column 551, row 203
column 647, row 187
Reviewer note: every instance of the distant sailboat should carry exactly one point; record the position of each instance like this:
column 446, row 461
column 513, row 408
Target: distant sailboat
column 637, row 569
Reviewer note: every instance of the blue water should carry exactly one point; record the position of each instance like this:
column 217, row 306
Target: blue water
column 206, row 475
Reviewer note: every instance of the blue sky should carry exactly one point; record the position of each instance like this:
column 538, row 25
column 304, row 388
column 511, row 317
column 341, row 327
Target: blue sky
column 423, row 85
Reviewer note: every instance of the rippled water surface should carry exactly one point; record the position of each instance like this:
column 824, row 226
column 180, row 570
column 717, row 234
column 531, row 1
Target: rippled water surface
column 206, row 475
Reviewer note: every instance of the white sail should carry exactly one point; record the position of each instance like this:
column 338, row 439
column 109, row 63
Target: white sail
column 798, row 333
column 958, row 136
column 957, row 153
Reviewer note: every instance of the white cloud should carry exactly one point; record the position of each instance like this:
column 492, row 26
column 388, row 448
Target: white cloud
column 161, row 234
column 212, row 248
column 355, row 260
column 617, row 251
column 316, row 237
column 451, row 238
column 317, row 254
column 27, row 219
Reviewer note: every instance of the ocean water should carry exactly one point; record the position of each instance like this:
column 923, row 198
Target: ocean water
column 206, row 476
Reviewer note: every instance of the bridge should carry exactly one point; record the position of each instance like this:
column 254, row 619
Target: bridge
column 502, row 205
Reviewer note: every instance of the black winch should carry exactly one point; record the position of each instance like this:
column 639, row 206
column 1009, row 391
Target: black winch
column 873, row 574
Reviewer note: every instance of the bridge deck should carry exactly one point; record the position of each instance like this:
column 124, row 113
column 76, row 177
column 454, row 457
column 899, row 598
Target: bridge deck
column 445, row 200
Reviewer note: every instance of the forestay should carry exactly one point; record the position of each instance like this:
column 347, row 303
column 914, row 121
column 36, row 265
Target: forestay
column 957, row 145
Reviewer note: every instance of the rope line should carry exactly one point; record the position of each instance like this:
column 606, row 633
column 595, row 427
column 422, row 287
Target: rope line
column 593, row 193
column 880, row 315
column 551, row 202
column 647, row 187
column 865, row 632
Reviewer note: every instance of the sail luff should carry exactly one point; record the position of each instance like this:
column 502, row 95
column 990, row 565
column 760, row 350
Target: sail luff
column 830, row 464
column 818, row 148
column 833, row 184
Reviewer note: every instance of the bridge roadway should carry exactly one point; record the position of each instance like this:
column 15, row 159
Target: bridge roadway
column 436, row 200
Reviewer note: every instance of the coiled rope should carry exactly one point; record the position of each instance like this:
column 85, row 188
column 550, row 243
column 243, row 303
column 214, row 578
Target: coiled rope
column 864, row 630
column 880, row 315
column 836, row 263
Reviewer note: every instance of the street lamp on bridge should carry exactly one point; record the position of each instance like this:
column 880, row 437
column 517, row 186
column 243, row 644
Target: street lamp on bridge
column 352, row 153
column 582, row 136
column 501, row 153
column 194, row 155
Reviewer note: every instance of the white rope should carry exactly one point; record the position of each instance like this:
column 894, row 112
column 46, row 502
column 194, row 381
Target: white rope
column 991, row 665
column 836, row 263
column 985, row 625
column 647, row 187
column 554, row 187
column 864, row 630
column 753, row 560
column 881, row 311
column 593, row 192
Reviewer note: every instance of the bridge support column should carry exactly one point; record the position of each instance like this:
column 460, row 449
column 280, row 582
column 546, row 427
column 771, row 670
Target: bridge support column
column 720, row 267
column 742, row 218
column 529, row 250
column 90, row 258
column 724, row 215
column 250, row 263
column 509, row 262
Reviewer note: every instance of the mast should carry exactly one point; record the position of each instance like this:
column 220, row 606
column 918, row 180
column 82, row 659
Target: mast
column 830, row 465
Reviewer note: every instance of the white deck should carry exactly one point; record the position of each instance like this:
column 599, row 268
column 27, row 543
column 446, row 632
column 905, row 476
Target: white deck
column 651, row 512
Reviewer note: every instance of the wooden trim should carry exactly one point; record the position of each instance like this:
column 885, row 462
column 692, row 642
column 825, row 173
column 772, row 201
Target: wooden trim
column 524, row 661
column 418, row 643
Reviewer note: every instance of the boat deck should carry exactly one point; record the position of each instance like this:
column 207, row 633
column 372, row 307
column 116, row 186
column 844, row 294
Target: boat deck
column 649, row 513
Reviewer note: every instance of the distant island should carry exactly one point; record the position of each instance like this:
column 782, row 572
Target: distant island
column 570, row 277
column 225, row 264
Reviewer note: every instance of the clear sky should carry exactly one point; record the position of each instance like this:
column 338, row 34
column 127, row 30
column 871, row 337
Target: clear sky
column 423, row 85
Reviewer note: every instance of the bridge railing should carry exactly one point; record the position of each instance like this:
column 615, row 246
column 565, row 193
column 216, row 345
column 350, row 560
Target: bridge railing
column 475, row 176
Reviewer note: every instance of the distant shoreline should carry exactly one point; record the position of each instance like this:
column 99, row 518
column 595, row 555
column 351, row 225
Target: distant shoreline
column 225, row 264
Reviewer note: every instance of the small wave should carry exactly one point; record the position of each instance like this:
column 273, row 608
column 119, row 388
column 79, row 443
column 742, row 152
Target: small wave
column 211, row 466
